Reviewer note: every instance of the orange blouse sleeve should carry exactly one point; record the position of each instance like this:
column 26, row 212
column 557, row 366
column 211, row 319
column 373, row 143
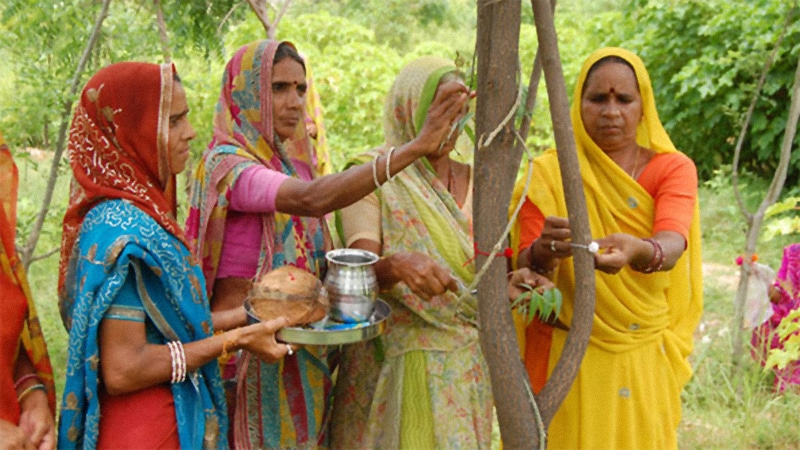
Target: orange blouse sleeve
column 671, row 179
column 531, row 222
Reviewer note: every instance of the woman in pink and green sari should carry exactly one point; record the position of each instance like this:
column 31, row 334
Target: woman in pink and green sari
column 258, row 204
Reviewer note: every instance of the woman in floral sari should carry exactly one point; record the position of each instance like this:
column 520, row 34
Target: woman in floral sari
column 141, row 366
column 424, row 383
column 27, row 394
column 257, row 205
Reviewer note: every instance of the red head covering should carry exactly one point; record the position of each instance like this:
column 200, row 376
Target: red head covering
column 13, row 273
column 118, row 148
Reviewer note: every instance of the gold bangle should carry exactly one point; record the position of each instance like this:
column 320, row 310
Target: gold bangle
column 29, row 389
column 230, row 342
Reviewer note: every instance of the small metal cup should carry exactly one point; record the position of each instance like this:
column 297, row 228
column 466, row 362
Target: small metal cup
column 351, row 284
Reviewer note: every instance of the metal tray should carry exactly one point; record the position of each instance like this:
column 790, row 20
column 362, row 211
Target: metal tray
column 329, row 332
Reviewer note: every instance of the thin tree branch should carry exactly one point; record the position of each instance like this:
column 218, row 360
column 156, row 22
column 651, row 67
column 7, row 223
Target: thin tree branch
column 227, row 16
column 162, row 31
column 46, row 255
column 260, row 9
column 279, row 16
column 748, row 116
column 33, row 238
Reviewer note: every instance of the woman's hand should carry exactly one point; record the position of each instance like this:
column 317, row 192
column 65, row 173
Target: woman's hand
column 447, row 107
column 618, row 250
column 546, row 251
column 526, row 276
column 259, row 339
column 424, row 276
column 36, row 421
column 554, row 238
column 13, row 438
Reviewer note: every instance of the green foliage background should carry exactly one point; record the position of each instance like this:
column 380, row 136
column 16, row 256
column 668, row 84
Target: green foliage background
column 704, row 57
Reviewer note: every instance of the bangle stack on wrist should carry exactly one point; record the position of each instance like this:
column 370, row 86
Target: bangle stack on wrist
column 178, row 361
column 656, row 262
column 24, row 378
column 28, row 390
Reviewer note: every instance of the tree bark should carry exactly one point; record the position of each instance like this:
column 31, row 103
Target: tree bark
column 33, row 238
column 259, row 7
column 566, row 369
column 162, row 31
column 496, row 165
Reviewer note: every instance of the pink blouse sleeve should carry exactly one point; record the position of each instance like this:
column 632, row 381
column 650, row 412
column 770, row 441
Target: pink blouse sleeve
column 256, row 189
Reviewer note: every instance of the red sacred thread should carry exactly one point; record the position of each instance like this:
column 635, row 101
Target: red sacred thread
column 508, row 253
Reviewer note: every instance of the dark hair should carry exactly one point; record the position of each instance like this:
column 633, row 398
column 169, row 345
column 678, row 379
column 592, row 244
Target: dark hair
column 286, row 50
column 176, row 77
column 605, row 60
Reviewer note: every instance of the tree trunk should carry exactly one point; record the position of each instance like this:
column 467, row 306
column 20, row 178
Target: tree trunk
column 496, row 166
column 565, row 371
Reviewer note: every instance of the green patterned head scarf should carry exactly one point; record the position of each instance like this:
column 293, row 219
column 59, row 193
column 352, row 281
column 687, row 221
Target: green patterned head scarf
column 410, row 96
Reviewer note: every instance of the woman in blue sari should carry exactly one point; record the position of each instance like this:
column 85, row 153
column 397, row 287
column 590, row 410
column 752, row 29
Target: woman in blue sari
column 142, row 349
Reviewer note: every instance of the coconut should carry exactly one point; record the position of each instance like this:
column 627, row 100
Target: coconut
column 289, row 291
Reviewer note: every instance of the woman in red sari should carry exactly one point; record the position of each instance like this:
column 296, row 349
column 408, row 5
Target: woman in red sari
column 27, row 394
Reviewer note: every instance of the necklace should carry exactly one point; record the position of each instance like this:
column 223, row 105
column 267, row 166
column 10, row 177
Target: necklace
column 636, row 162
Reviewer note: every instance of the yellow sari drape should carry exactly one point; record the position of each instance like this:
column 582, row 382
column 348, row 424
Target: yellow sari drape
column 627, row 393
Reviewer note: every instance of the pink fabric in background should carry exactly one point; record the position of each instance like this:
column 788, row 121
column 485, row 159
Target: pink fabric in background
column 765, row 337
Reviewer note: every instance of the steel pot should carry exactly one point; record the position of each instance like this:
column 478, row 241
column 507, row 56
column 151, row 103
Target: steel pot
column 351, row 284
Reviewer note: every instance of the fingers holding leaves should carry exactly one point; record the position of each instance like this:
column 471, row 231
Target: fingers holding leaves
column 534, row 295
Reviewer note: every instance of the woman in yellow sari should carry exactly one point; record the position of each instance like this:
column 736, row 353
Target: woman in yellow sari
column 27, row 393
column 641, row 195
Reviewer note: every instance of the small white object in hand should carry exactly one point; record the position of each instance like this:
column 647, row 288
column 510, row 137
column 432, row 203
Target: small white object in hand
column 593, row 247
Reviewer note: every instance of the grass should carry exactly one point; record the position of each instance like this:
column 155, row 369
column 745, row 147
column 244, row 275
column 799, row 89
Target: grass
column 725, row 408
column 722, row 408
